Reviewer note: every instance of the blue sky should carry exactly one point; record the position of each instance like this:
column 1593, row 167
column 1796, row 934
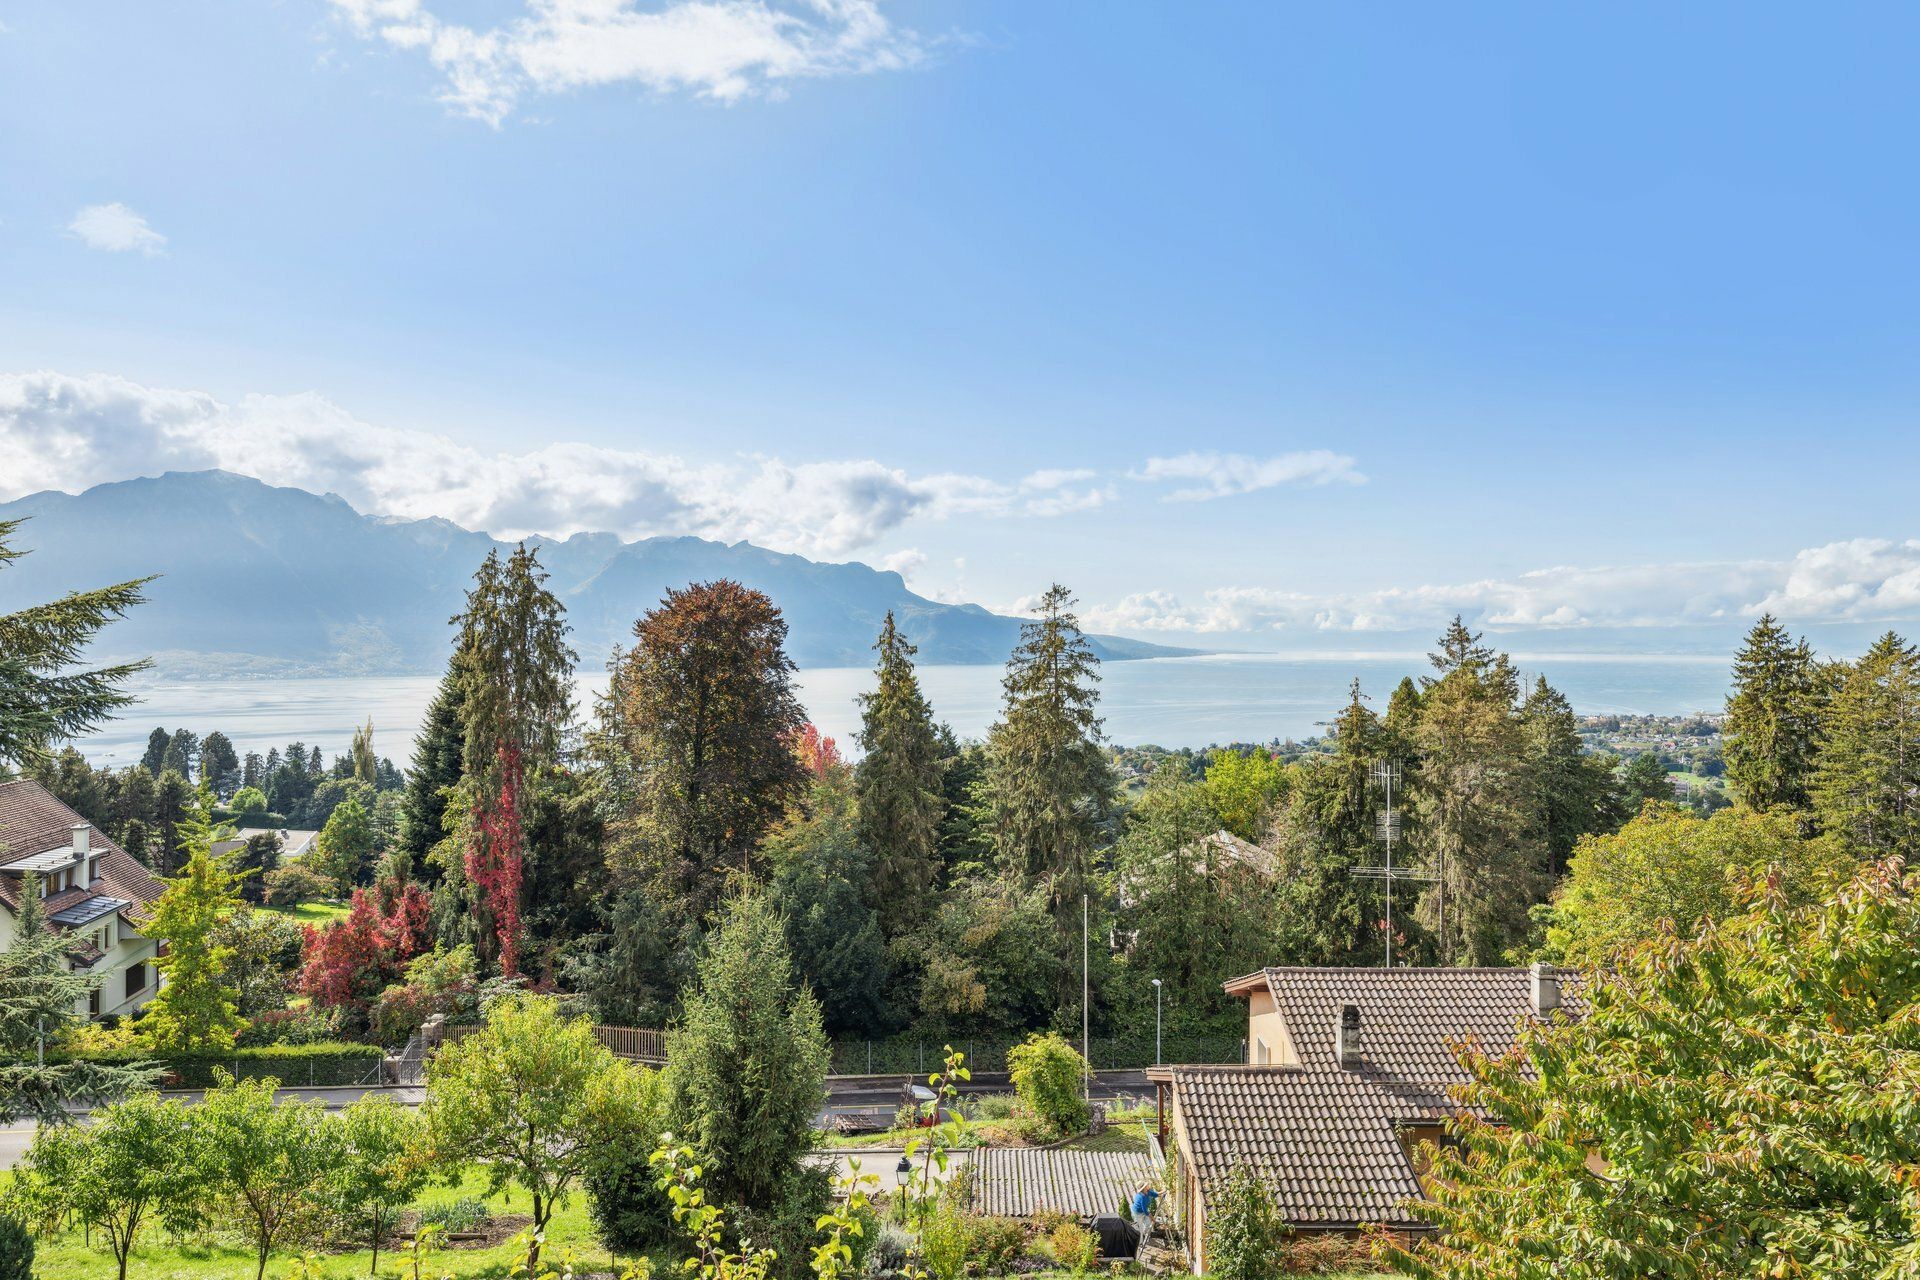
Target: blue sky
column 1257, row 324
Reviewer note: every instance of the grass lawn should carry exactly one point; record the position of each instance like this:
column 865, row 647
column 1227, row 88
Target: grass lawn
column 68, row 1258
column 312, row 913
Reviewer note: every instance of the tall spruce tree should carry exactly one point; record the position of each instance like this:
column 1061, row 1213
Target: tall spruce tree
column 155, row 757
column 44, row 694
column 897, row 785
column 516, row 699
column 1772, row 730
column 41, row 998
column 1866, row 783
column 697, row 730
column 1571, row 791
column 1048, row 786
column 1327, row 829
column 1475, row 826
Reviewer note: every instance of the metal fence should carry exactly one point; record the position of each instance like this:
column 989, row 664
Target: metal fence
column 898, row 1055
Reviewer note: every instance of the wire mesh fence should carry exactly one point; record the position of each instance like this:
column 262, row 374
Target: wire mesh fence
column 900, row 1055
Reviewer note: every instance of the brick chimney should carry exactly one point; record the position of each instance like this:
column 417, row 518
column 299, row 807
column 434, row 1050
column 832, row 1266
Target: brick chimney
column 82, row 839
column 1546, row 988
column 1346, row 1037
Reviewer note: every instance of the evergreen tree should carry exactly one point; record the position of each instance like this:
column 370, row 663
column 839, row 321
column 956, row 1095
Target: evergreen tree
column 40, row 1001
column 219, row 764
column 196, row 1009
column 1572, row 791
column 78, row 785
column 817, row 864
column 252, row 770
column 1048, row 786
column 155, row 758
column 433, row 775
column 1329, row 828
column 43, row 698
column 748, row 1060
column 1866, row 784
column 1772, row 730
column 1474, row 821
column 183, row 753
column 696, row 730
column 1646, row 781
column 516, row 681
column 898, row 780
column 173, row 800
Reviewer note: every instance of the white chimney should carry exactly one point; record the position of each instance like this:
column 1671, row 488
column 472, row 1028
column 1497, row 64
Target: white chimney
column 1546, row 988
column 1346, row 1037
column 82, row 839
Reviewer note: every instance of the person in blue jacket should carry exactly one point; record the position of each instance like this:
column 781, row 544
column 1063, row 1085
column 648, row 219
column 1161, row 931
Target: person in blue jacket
column 1144, row 1199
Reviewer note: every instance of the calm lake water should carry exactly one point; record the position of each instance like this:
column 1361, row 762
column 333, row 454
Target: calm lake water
column 1175, row 702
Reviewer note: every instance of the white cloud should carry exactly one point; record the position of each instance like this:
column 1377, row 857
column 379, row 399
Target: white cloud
column 1864, row 580
column 1223, row 475
column 720, row 49
column 114, row 228
column 64, row 432
column 905, row 563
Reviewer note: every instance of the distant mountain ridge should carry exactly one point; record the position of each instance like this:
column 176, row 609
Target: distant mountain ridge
column 258, row 579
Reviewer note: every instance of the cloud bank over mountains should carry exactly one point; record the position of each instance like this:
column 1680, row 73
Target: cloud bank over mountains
column 1860, row 580
column 66, row 432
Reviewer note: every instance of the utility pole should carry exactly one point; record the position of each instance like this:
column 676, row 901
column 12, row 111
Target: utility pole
column 1156, row 1022
column 1386, row 774
column 1086, row 1015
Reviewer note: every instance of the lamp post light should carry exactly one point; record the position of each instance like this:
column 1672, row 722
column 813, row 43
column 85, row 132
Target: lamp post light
column 902, row 1176
column 1156, row 1022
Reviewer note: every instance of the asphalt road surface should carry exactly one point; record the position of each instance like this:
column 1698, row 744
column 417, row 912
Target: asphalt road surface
column 844, row 1093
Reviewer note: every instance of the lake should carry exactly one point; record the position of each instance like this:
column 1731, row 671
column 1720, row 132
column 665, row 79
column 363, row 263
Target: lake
column 1175, row 702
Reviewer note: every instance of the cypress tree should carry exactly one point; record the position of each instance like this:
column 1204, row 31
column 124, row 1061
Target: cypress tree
column 897, row 786
column 1866, row 784
column 1772, row 726
column 1048, row 787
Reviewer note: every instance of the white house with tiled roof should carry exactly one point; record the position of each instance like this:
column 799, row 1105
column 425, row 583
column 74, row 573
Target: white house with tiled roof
column 92, row 891
column 1348, row 1072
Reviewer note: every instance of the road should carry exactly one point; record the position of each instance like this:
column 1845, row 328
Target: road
column 844, row 1093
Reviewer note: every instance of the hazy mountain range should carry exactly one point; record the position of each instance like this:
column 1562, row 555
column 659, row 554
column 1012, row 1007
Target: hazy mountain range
column 275, row 581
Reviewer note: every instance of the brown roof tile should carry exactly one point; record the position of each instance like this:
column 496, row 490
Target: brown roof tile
column 33, row 818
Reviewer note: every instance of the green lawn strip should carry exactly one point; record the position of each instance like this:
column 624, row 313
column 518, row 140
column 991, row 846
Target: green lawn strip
column 67, row 1257
column 313, row 912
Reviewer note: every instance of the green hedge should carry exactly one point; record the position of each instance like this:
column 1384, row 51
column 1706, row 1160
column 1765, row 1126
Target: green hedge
column 294, row 1065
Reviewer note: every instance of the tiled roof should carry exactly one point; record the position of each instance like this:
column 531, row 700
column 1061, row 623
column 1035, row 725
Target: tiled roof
column 32, row 818
column 1326, row 1141
column 1409, row 1018
column 1327, row 1138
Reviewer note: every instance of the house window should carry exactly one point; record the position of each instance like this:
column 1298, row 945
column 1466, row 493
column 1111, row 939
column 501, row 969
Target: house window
column 93, row 1002
column 136, row 978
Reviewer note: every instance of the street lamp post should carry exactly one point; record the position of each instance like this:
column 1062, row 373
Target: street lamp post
column 1156, row 1022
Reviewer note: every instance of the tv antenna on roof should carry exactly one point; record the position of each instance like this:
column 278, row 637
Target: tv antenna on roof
column 1386, row 773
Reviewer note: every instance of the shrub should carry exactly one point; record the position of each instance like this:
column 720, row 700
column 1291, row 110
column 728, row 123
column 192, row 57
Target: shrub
column 1048, row 1074
column 460, row 1215
column 1328, row 1255
column 1245, row 1236
column 1074, row 1247
column 788, row 1227
column 944, row 1242
column 887, row 1255
column 998, row 1243
column 303, row 1026
column 630, row 1211
column 16, row 1249
column 294, row 884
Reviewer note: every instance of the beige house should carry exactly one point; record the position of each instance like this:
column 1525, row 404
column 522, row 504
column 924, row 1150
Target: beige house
column 91, row 890
column 1349, row 1072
